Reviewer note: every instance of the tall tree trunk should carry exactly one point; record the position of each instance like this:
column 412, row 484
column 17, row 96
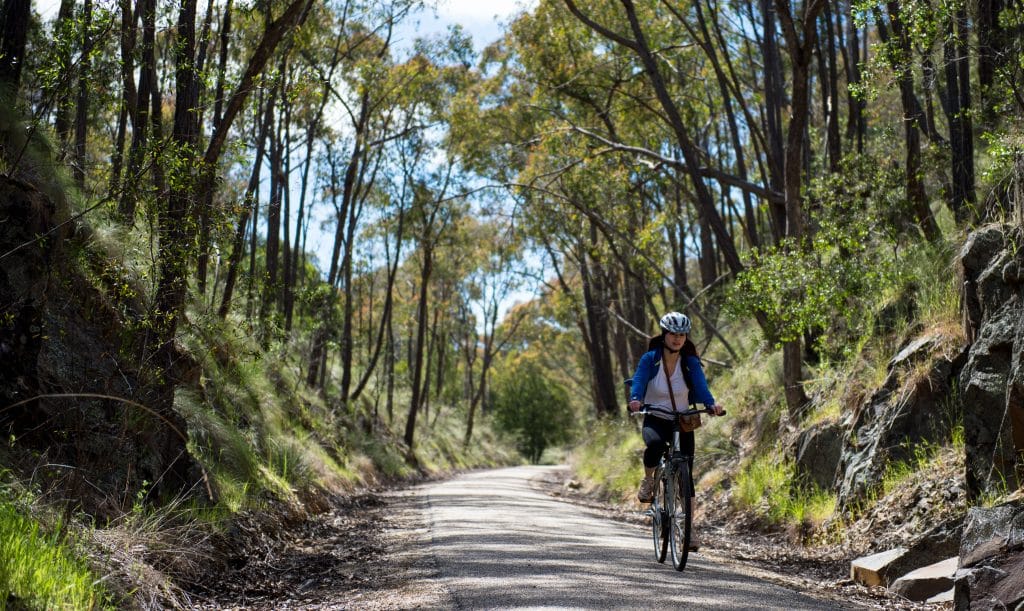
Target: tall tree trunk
column 595, row 301
column 14, row 32
column 127, row 108
column 269, row 300
column 800, row 35
column 238, row 243
column 389, row 369
column 855, row 127
column 620, row 335
column 286, row 225
column 706, row 261
column 774, row 99
column 294, row 273
column 428, row 367
column 64, row 27
column 913, row 118
column 426, row 270
column 218, row 107
column 991, row 55
column 958, row 114
column 831, row 105
column 175, row 243
column 128, row 201
column 82, row 106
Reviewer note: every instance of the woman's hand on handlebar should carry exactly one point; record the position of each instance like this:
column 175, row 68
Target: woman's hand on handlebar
column 635, row 405
column 718, row 409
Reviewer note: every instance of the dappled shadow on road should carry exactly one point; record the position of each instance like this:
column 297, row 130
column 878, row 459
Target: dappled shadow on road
column 501, row 544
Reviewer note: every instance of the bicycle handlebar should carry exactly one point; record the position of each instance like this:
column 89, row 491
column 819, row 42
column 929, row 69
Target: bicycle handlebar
column 647, row 408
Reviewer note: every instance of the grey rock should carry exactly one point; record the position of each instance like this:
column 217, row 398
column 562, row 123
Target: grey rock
column 928, row 581
column 992, row 558
column 817, row 454
column 1012, row 272
column 992, row 530
column 999, row 584
column 896, row 419
column 975, row 256
column 941, row 542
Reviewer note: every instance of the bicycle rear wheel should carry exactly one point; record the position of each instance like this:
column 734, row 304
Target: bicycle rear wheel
column 659, row 518
column 681, row 517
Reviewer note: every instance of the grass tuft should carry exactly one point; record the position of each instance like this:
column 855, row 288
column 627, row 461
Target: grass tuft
column 609, row 458
column 38, row 570
column 767, row 486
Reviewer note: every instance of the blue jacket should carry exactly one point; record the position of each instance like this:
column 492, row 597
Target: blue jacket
column 648, row 367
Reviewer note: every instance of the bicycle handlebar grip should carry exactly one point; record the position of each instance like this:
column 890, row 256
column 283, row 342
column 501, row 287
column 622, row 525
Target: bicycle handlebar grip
column 644, row 411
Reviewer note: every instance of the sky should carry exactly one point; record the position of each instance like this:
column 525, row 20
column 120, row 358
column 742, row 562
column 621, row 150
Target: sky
column 481, row 18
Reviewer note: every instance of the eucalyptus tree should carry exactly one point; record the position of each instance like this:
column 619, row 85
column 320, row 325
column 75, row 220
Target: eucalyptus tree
column 191, row 169
column 386, row 103
column 436, row 208
column 642, row 31
column 545, row 89
column 496, row 276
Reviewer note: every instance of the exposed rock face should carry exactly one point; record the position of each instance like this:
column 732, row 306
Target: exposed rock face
column 991, row 384
column 66, row 366
column 991, row 574
column 992, row 381
column 817, row 453
column 912, row 407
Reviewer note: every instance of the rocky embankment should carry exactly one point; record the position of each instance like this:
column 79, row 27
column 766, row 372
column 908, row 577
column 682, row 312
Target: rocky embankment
column 975, row 556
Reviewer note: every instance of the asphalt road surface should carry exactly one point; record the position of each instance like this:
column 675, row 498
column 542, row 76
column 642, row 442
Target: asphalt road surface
column 499, row 542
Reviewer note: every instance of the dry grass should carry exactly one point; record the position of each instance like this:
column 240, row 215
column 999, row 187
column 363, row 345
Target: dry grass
column 147, row 552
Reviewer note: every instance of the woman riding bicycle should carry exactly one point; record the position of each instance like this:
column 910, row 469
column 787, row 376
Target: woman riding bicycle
column 657, row 372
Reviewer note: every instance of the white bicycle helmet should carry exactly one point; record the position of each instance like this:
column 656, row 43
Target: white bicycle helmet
column 674, row 322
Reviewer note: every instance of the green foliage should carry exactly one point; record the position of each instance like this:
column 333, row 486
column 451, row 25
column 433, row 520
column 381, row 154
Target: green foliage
column 39, row 570
column 530, row 406
column 928, row 273
column 829, row 285
column 897, row 472
column 767, row 486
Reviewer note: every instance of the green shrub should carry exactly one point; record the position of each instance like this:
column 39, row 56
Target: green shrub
column 531, row 407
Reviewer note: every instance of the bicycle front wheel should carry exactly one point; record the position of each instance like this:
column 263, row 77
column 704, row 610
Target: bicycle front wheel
column 659, row 518
column 680, row 519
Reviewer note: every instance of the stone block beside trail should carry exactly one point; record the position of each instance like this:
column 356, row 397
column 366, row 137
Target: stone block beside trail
column 876, row 569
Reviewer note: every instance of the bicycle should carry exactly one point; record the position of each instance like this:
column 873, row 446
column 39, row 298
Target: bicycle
column 671, row 511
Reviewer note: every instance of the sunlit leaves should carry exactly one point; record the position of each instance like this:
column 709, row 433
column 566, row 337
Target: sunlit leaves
column 828, row 286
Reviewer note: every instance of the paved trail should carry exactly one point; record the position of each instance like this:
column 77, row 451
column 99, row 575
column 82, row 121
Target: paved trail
column 499, row 543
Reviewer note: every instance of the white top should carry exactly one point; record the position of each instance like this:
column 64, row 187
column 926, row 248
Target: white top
column 657, row 390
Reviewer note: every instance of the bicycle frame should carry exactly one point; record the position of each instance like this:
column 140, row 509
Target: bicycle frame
column 679, row 508
column 672, row 509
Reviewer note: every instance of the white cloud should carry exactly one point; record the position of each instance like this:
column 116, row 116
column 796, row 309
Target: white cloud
column 461, row 11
